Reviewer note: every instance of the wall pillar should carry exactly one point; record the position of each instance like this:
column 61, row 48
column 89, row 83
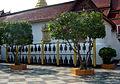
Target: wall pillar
column 7, row 53
column 94, row 52
column 28, row 54
column 75, row 55
column 42, row 52
column 57, row 45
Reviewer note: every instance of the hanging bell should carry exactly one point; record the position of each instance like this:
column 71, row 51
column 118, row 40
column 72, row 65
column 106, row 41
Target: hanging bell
column 23, row 49
column 45, row 60
column 71, row 61
column 54, row 48
column 70, row 48
column 39, row 60
column 66, row 61
column 31, row 48
column 45, row 48
column 49, row 61
column 26, row 49
column 14, row 49
column 61, row 48
column 49, row 49
column 35, row 48
column 61, row 61
column 8, row 49
column 19, row 49
column 84, row 47
column 39, row 48
column 79, row 47
column 54, row 60
column 65, row 48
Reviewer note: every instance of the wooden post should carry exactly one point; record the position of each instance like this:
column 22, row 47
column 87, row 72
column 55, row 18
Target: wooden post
column 57, row 45
column 42, row 52
column 75, row 55
column 94, row 52
column 28, row 54
column 7, row 53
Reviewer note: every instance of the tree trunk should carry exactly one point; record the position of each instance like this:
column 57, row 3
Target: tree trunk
column 16, row 58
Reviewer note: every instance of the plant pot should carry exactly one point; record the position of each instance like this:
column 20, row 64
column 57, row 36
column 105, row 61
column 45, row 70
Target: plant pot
column 108, row 66
column 80, row 72
column 18, row 67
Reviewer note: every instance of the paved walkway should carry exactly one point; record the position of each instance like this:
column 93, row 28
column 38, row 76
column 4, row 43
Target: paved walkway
column 36, row 74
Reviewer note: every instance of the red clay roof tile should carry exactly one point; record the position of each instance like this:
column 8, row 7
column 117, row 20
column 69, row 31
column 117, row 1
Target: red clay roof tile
column 101, row 3
column 115, row 4
column 116, row 21
column 105, row 11
column 39, row 14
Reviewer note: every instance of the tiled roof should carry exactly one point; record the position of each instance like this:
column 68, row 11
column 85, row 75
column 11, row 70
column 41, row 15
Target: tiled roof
column 51, row 12
column 39, row 14
column 101, row 3
column 116, row 21
column 115, row 4
column 105, row 11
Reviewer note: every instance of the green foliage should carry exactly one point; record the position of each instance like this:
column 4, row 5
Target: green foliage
column 16, row 33
column 73, row 26
column 67, row 26
column 106, row 54
column 76, row 26
column 94, row 23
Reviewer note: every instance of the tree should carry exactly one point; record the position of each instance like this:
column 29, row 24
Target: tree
column 14, row 34
column 75, row 26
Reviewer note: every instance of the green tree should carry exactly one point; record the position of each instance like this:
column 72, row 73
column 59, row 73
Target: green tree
column 16, row 33
column 76, row 26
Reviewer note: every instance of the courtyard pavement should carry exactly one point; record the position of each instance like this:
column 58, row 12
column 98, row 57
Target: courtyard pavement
column 37, row 74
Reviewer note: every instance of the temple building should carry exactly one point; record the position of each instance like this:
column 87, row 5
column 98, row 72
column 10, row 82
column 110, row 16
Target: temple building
column 43, row 13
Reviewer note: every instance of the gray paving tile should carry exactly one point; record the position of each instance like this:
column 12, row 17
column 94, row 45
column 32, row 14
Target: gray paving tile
column 55, row 75
column 16, row 80
column 36, row 82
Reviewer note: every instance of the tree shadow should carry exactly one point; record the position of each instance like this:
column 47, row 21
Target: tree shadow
column 102, row 78
column 29, row 71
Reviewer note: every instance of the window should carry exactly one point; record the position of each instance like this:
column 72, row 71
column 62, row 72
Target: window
column 46, row 34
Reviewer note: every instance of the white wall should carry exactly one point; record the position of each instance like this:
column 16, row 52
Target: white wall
column 37, row 31
column 109, row 41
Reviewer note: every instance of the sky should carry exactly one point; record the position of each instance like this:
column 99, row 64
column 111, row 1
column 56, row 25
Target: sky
column 19, row 5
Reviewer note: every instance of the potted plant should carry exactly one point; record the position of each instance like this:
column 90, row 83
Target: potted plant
column 16, row 34
column 107, row 54
column 73, row 27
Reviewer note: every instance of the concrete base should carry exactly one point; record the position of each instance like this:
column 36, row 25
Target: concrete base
column 18, row 67
column 78, row 71
column 108, row 66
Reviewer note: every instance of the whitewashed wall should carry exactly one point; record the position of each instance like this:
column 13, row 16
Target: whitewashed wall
column 109, row 41
column 37, row 31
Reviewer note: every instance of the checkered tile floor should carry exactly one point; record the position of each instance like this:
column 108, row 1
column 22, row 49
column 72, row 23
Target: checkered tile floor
column 36, row 74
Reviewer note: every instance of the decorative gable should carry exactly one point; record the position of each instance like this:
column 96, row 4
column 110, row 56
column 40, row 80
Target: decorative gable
column 83, row 4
